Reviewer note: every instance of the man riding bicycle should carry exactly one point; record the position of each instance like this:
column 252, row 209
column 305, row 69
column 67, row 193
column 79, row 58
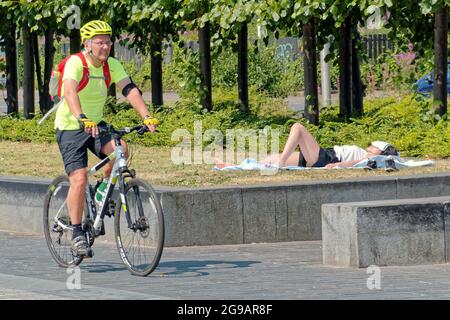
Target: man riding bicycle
column 81, row 111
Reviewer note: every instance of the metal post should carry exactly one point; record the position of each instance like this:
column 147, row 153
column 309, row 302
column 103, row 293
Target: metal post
column 325, row 75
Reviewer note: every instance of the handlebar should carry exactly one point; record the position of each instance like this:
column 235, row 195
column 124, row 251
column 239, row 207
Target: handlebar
column 108, row 129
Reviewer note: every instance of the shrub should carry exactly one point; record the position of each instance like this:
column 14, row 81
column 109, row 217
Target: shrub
column 407, row 123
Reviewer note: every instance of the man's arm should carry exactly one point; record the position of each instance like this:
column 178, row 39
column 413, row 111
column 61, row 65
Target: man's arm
column 348, row 163
column 71, row 97
column 136, row 101
column 73, row 101
column 342, row 164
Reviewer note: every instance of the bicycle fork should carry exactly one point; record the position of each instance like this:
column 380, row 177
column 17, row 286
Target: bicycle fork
column 125, row 203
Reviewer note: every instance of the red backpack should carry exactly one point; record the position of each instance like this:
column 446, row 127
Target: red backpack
column 58, row 73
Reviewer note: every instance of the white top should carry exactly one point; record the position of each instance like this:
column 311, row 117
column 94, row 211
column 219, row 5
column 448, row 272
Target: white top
column 349, row 153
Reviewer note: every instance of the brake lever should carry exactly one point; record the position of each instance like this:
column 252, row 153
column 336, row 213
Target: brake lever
column 142, row 130
column 102, row 130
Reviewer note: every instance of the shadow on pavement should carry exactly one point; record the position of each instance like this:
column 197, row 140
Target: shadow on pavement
column 199, row 268
column 102, row 267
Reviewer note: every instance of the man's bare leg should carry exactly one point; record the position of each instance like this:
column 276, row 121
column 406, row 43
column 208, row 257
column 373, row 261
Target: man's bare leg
column 75, row 204
column 76, row 195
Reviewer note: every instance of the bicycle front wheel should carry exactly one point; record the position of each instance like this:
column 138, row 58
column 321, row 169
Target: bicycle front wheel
column 139, row 227
column 56, row 219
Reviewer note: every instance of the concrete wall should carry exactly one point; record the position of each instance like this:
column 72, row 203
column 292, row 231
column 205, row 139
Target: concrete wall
column 233, row 215
column 386, row 233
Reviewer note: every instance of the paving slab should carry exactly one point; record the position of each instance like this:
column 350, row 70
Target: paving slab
column 281, row 270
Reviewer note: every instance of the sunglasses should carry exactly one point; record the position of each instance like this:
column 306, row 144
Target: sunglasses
column 102, row 43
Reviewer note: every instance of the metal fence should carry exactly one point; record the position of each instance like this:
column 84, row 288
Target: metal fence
column 288, row 48
column 376, row 44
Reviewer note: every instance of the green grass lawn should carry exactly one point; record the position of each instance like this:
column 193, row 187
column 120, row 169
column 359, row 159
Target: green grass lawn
column 155, row 165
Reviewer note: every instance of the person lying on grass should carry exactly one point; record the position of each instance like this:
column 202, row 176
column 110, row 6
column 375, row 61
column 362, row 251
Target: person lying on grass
column 313, row 155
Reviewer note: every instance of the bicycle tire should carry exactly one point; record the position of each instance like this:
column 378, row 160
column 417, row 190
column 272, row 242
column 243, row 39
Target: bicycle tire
column 61, row 253
column 152, row 225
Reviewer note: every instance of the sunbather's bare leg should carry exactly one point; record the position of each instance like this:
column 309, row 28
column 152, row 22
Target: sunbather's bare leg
column 220, row 164
column 270, row 159
column 300, row 136
column 275, row 158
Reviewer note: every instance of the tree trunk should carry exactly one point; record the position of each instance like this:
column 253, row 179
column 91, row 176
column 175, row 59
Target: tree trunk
column 345, row 70
column 112, row 87
column 310, row 67
column 156, row 65
column 37, row 63
column 358, row 90
column 204, row 40
column 243, row 69
column 440, row 61
column 28, row 78
column 75, row 41
column 11, row 70
column 45, row 101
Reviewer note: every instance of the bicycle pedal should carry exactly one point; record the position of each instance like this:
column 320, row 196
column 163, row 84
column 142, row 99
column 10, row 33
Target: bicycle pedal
column 89, row 254
column 102, row 230
column 109, row 214
column 111, row 209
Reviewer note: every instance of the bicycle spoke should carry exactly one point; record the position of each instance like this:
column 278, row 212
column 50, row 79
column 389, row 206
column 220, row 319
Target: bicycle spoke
column 57, row 223
column 142, row 245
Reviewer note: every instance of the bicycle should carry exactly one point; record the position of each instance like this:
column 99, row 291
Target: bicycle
column 141, row 220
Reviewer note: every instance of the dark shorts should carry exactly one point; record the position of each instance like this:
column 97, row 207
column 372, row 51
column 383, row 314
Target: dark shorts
column 326, row 156
column 73, row 145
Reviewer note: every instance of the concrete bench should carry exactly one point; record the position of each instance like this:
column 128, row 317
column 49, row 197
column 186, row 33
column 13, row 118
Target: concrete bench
column 386, row 233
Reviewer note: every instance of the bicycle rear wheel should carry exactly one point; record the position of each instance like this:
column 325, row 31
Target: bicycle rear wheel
column 140, row 244
column 56, row 219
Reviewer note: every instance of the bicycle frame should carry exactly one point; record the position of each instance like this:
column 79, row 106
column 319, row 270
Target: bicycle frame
column 119, row 167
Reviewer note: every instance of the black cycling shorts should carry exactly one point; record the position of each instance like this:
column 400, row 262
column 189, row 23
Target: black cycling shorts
column 326, row 156
column 73, row 145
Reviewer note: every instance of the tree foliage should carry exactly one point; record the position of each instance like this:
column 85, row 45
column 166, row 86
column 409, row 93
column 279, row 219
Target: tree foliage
column 139, row 21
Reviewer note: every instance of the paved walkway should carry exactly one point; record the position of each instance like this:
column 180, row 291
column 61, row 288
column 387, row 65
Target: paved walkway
column 291, row 270
column 169, row 97
column 296, row 103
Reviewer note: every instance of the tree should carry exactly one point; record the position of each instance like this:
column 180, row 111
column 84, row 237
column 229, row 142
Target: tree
column 44, row 18
column 310, row 69
column 33, row 19
column 28, row 77
column 341, row 20
column 204, row 39
column 345, row 69
column 440, row 60
column 230, row 20
column 8, row 34
column 243, row 68
column 194, row 15
column 149, row 22
column 426, row 25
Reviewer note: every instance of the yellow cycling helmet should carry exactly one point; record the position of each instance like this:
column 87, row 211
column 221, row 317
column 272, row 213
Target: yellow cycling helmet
column 93, row 28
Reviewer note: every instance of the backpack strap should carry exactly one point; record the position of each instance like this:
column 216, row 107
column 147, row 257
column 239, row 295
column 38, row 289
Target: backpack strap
column 85, row 77
column 106, row 74
column 60, row 70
